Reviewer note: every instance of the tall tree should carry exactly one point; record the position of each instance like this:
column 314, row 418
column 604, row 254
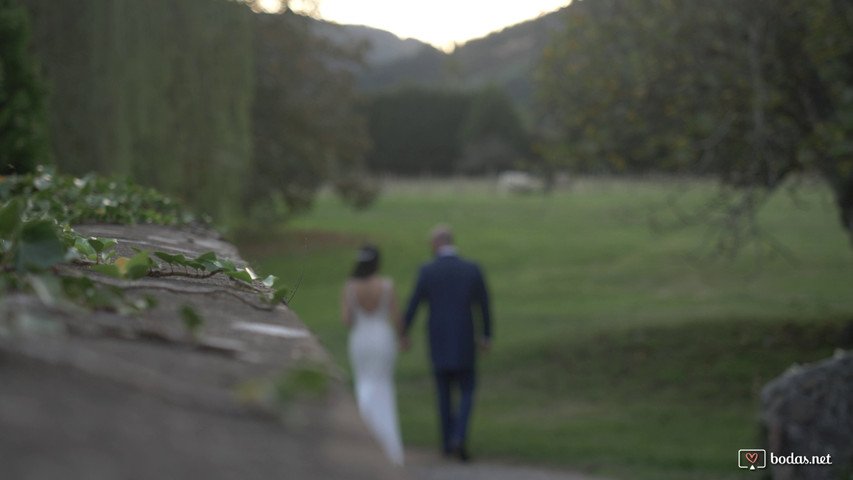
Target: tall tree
column 23, row 121
column 158, row 91
column 750, row 92
column 416, row 131
column 306, row 129
column 493, row 135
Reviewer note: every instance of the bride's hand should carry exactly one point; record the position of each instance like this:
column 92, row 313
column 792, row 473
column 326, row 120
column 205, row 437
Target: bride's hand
column 404, row 343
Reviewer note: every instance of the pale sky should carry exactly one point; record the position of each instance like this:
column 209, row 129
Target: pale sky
column 439, row 22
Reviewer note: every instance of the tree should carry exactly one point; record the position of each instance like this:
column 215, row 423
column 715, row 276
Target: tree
column 493, row 136
column 748, row 92
column 157, row 91
column 305, row 127
column 23, row 124
column 416, row 131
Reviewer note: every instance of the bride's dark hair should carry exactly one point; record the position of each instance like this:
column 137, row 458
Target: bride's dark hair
column 367, row 262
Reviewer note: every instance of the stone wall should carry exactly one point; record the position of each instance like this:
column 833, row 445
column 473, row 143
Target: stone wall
column 94, row 394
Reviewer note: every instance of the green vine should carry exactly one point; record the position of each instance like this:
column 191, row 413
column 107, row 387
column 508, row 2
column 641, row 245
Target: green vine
column 36, row 238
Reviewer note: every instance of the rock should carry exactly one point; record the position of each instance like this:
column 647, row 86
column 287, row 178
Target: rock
column 808, row 414
column 516, row 182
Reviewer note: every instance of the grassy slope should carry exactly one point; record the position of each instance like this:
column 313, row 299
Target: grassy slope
column 617, row 350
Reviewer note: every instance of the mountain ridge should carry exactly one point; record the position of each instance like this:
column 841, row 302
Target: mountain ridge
column 506, row 58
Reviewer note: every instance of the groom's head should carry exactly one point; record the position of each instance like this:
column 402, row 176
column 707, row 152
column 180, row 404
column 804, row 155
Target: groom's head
column 440, row 236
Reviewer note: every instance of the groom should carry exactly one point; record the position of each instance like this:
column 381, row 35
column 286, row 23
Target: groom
column 451, row 286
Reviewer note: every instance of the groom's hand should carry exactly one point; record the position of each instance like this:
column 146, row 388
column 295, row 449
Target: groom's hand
column 485, row 345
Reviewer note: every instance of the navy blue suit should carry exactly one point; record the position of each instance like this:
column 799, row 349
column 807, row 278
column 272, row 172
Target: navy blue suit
column 452, row 287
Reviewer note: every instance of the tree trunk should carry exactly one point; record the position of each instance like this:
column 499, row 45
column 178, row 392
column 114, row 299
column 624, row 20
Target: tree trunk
column 844, row 198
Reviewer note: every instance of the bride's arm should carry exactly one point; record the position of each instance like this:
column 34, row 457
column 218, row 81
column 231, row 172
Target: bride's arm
column 396, row 315
column 346, row 315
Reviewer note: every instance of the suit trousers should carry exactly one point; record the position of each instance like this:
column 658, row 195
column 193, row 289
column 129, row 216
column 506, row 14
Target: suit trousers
column 454, row 419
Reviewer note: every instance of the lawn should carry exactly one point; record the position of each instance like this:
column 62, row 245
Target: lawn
column 619, row 349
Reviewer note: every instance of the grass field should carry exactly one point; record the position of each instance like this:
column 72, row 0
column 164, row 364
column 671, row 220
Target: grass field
column 617, row 350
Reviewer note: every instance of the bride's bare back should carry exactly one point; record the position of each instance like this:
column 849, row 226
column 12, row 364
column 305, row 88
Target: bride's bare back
column 368, row 292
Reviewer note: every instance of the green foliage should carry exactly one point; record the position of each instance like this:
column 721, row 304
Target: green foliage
column 92, row 249
column 305, row 381
column 493, row 135
column 23, row 123
column 156, row 91
column 10, row 217
column 750, row 92
column 38, row 247
column 416, row 131
column 492, row 113
column 305, row 128
column 192, row 320
column 359, row 191
column 443, row 132
column 425, row 69
column 35, row 236
column 35, row 212
column 70, row 199
column 228, row 110
column 28, row 244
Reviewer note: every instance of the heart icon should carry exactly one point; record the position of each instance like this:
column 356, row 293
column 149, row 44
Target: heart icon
column 751, row 456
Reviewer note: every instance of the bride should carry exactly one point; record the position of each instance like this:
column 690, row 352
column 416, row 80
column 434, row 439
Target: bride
column 369, row 308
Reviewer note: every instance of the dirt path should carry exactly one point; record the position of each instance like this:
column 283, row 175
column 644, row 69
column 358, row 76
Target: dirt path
column 421, row 465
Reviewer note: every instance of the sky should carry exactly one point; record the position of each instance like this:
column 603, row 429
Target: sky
column 438, row 22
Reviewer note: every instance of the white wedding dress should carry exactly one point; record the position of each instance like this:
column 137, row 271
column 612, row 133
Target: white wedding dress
column 373, row 351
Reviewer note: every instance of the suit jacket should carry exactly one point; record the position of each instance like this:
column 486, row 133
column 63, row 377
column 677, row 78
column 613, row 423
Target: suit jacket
column 451, row 286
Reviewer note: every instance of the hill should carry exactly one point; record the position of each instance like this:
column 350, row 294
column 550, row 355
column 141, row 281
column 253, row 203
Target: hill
column 383, row 47
column 506, row 58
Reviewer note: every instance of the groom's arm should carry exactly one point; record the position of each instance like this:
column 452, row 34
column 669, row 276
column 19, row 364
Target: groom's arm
column 414, row 301
column 482, row 297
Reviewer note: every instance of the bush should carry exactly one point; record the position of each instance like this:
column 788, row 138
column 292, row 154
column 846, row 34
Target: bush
column 356, row 190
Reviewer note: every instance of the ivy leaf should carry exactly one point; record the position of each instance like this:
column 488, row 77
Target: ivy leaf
column 105, row 298
column 192, row 320
column 77, row 287
column 208, row 262
column 165, row 257
column 177, row 259
column 206, row 257
column 40, row 247
column 101, row 244
column 241, row 275
column 137, row 266
column 225, row 265
column 85, row 248
column 47, row 287
column 270, row 281
column 278, row 295
column 10, row 218
column 112, row 270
